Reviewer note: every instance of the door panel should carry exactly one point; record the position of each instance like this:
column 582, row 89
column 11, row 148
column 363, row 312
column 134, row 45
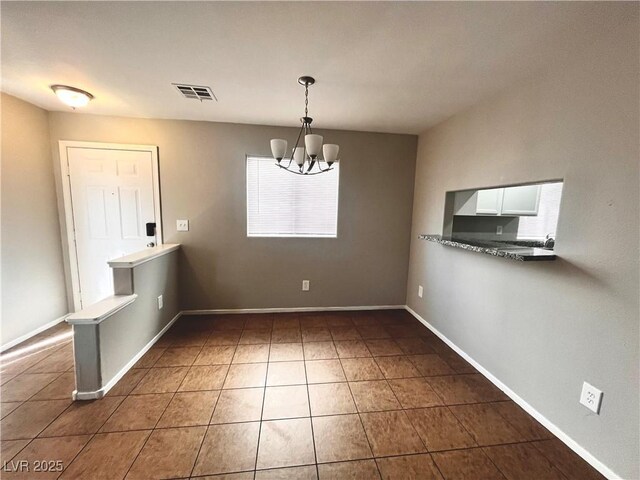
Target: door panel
column 97, row 205
column 112, row 197
column 130, row 214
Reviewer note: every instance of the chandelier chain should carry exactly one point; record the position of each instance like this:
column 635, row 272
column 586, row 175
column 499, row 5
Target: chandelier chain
column 306, row 101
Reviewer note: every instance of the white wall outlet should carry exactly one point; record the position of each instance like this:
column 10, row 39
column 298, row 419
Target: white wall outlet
column 305, row 285
column 499, row 230
column 420, row 291
column 591, row 397
column 182, row 225
column 160, row 302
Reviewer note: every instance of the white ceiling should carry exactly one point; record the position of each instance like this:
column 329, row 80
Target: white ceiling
column 381, row 66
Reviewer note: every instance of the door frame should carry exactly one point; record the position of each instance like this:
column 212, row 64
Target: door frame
column 63, row 146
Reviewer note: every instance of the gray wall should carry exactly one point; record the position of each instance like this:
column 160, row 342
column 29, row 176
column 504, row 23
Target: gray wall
column 124, row 334
column 485, row 228
column 544, row 328
column 33, row 289
column 202, row 172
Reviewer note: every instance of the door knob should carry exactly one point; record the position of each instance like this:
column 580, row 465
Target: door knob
column 151, row 244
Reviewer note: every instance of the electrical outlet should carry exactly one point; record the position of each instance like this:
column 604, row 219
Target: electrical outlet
column 305, row 285
column 499, row 230
column 420, row 291
column 591, row 397
column 160, row 302
column 182, row 225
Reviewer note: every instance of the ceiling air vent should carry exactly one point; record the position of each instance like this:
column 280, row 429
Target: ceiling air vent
column 196, row 92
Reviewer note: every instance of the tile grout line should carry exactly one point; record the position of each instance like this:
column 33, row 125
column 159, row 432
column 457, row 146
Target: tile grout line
column 548, row 459
column 206, row 432
column 481, row 448
column 458, row 420
column 92, row 436
column 433, row 460
column 38, row 391
column 484, row 447
column 118, row 406
column 519, row 442
column 53, row 348
column 264, row 395
column 292, row 418
column 165, row 408
column 30, row 440
column 313, row 435
column 373, row 456
column 386, row 380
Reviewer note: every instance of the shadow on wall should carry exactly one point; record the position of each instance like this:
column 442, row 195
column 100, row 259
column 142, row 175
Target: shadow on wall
column 573, row 272
column 189, row 279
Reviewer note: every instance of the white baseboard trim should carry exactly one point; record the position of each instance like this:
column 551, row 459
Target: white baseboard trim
column 287, row 310
column 566, row 439
column 103, row 391
column 33, row 333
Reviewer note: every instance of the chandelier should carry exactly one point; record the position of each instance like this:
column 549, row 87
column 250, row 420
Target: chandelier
column 303, row 159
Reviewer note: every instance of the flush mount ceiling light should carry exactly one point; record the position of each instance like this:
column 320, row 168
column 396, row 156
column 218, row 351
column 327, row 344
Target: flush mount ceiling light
column 303, row 159
column 72, row 96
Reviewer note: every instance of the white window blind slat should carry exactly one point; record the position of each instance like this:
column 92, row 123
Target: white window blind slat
column 280, row 204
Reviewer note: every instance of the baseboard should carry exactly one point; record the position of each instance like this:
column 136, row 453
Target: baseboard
column 566, row 439
column 33, row 333
column 103, row 391
column 287, row 310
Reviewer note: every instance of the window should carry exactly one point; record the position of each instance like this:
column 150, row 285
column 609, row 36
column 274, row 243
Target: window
column 280, row 204
column 545, row 222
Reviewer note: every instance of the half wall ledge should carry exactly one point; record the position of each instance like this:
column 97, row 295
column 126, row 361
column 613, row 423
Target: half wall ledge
column 110, row 336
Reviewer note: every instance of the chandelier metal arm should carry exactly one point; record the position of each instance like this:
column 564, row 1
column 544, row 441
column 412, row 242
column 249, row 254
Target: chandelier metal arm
column 304, row 173
column 293, row 149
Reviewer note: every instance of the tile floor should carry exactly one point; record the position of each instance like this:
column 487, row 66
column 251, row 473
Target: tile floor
column 359, row 395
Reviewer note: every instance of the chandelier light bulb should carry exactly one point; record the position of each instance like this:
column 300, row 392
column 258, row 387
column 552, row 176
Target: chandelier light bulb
column 298, row 156
column 330, row 152
column 278, row 148
column 313, row 143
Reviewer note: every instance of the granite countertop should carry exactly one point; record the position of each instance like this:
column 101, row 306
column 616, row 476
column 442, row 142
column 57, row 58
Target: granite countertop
column 522, row 251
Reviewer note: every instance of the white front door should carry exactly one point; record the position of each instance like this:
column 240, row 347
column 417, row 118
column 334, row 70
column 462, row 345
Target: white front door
column 112, row 196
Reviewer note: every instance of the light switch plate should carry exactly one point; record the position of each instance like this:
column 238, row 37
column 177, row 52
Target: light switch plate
column 499, row 230
column 182, row 225
column 591, row 397
column 420, row 291
column 160, row 302
column 305, row 285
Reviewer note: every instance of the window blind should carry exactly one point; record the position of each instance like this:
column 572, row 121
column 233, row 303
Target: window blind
column 280, row 204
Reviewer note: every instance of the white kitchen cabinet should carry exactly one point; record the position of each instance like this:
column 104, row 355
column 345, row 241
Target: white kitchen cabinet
column 489, row 202
column 508, row 201
column 522, row 200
